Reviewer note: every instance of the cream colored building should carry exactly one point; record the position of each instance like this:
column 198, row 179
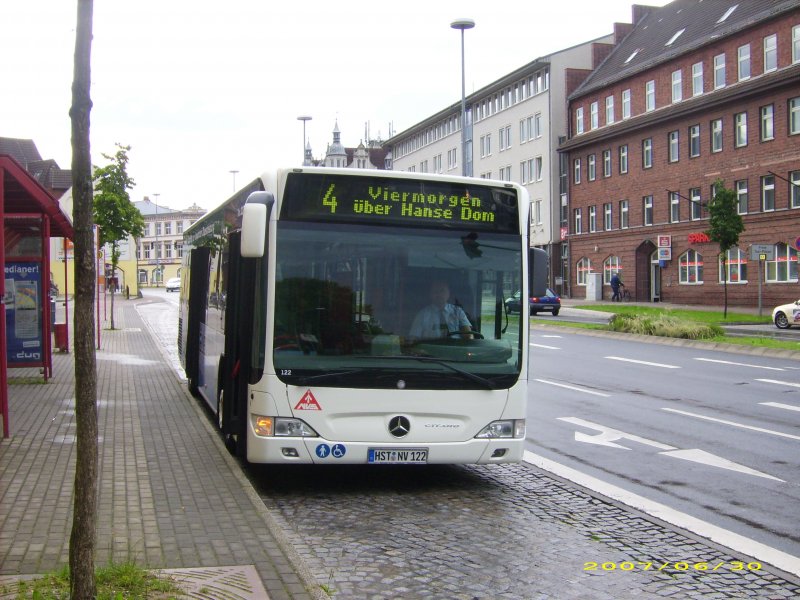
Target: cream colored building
column 514, row 126
column 159, row 252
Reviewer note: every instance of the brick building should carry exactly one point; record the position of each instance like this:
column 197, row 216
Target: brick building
column 698, row 90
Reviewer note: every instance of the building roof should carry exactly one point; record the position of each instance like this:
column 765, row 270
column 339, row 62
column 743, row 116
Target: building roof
column 23, row 195
column 661, row 34
column 46, row 172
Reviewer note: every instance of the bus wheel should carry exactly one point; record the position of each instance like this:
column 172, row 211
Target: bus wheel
column 230, row 440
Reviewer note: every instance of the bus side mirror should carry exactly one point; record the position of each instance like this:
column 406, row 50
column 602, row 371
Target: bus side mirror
column 537, row 272
column 255, row 215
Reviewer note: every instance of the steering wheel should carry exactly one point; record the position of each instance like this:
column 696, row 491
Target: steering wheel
column 457, row 334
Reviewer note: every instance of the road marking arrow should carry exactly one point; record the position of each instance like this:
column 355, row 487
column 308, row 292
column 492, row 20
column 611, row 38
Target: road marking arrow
column 706, row 458
column 608, row 436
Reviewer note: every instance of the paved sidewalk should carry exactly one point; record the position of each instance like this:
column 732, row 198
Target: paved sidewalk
column 170, row 496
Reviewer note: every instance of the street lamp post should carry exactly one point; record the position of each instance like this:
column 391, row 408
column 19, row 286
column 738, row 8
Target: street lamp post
column 157, row 226
column 233, row 172
column 304, row 118
column 466, row 168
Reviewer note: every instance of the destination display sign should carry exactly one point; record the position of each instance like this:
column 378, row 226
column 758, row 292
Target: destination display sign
column 398, row 201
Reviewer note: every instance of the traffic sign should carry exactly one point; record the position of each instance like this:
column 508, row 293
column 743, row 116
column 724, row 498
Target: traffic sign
column 762, row 252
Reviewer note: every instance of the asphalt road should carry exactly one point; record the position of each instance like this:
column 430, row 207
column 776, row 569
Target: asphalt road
column 712, row 434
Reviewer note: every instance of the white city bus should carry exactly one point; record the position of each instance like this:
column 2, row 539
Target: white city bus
column 298, row 298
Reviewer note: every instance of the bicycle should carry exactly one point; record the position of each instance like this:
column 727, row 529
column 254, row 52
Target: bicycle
column 625, row 295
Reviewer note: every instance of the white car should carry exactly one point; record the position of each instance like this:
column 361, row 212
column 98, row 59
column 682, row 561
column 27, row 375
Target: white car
column 174, row 284
column 786, row 315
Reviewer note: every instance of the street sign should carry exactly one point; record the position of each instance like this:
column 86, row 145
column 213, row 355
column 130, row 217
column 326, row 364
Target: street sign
column 767, row 250
column 664, row 241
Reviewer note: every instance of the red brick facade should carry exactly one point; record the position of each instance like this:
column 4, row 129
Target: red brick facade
column 776, row 158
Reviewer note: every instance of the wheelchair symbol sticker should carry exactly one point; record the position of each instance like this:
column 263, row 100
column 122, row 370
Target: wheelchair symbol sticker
column 323, row 450
column 338, row 450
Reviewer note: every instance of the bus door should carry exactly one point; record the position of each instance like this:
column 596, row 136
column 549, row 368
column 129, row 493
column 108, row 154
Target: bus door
column 235, row 364
column 193, row 316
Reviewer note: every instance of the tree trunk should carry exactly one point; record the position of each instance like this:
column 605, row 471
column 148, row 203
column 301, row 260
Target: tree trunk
column 82, row 540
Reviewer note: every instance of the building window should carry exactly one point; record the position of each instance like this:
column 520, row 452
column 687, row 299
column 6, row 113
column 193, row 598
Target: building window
column 576, row 169
column 794, row 116
column 767, row 122
column 523, row 130
column 607, row 217
column 743, row 54
column 674, row 207
column 784, row 268
column 626, row 103
column 623, row 214
column 697, row 79
column 694, row 141
column 524, row 172
column 609, row 110
column 690, row 268
column 740, row 128
column 673, row 144
column 795, row 44
column 582, row 269
column 146, row 250
column 606, row 163
column 504, row 173
column 179, row 227
column 719, row 71
column 538, row 170
column 158, row 228
column 577, row 221
column 505, row 137
column 536, row 215
column 486, row 145
column 594, row 117
column 770, row 53
column 179, row 249
column 696, row 204
column 677, row 86
column 794, row 189
column 650, row 96
column 768, row 193
column 168, row 228
column 647, row 210
column 647, row 153
column 623, row 158
column 742, row 197
column 716, row 135
column 611, row 266
column 451, row 159
column 734, row 268
column 591, row 167
column 579, row 120
column 537, row 125
column 592, row 219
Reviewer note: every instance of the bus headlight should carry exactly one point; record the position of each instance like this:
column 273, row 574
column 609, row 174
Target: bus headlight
column 503, row 429
column 281, row 427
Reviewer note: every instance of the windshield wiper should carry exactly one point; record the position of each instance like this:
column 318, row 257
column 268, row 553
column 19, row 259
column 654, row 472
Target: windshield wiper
column 331, row 374
column 471, row 376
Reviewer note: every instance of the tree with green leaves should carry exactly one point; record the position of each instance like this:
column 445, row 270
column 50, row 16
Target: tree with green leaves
column 83, row 538
column 114, row 214
column 725, row 225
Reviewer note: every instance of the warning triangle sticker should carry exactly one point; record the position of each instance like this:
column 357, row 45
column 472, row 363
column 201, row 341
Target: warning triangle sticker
column 308, row 402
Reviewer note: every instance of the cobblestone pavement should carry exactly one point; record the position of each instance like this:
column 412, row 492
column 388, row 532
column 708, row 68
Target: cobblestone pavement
column 493, row 532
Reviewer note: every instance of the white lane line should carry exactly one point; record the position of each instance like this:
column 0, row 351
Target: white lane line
column 573, row 388
column 738, row 364
column 779, row 405
column 778, row 382
column 544, row 346
column 734, row 541
column 553, row 336
column 733, row 424
column 642, row 362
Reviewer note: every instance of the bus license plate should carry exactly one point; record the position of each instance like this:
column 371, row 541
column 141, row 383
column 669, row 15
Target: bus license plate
column 397, row 456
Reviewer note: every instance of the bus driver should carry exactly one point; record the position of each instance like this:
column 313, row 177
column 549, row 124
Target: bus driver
column 440, row 318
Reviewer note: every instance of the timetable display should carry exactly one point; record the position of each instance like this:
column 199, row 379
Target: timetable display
column 398, row 201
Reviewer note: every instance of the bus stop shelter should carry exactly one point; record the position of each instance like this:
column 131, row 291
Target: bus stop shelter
column 31, row 215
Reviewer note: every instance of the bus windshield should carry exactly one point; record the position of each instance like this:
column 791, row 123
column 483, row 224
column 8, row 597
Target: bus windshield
column 396, row 307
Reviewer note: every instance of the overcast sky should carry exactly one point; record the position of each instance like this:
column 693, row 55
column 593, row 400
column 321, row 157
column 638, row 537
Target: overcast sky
column 198, row 89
